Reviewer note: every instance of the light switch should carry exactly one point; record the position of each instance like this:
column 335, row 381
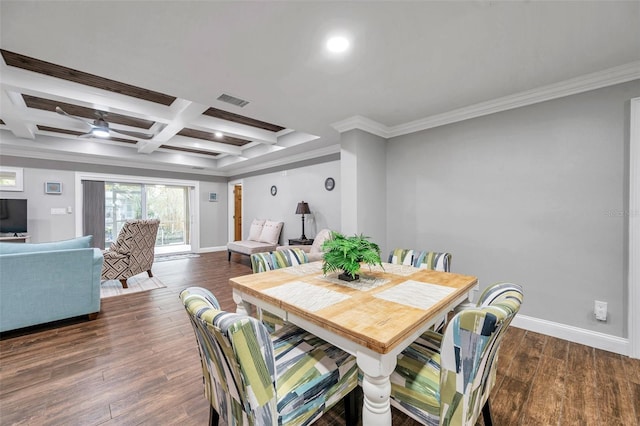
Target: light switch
column 60, row 210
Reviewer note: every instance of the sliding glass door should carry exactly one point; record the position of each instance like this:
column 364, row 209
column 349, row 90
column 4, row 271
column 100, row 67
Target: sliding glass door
column 170, row 204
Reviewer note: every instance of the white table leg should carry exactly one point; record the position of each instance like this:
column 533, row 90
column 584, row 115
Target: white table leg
column 376, row 388
column 242, row 307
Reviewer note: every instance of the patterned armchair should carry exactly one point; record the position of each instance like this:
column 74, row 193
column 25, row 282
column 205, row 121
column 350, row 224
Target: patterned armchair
column 421, row 259
column 268, row 261
column 132, row 252
column 446, row 379
column 252, row 377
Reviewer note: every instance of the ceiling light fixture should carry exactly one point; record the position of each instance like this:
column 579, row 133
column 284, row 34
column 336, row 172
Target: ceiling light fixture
column 218, row 135
column 337, row 44
column 100, row 132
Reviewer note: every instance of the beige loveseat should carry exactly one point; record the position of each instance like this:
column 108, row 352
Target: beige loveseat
column 264, row 235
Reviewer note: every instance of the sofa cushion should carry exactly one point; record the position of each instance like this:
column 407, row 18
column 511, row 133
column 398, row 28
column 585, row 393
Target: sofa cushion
column 74, row 243
column 271, row 232
column 249, row 247
column 256, row 229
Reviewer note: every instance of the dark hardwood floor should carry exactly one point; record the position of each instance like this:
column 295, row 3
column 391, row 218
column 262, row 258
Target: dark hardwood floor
column 138, row 364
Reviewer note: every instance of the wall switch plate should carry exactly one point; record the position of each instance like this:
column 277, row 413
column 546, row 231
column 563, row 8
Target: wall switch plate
column 600, row 310
column 61, row 210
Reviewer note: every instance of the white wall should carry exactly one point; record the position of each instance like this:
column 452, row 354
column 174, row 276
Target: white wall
column 529, row 195
column 294, row 185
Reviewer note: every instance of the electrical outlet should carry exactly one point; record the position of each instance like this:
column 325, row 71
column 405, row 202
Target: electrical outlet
column 600, row 310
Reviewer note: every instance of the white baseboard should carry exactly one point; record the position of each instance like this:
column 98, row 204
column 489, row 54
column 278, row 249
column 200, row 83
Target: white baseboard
column 211, row 249
column 594, row 339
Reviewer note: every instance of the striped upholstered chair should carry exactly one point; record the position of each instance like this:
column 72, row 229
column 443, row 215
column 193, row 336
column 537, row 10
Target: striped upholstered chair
column 446, row 379
column 268, row 261
column 132, row 252
column 252, row 377
column 421, row 259
column 283, row 258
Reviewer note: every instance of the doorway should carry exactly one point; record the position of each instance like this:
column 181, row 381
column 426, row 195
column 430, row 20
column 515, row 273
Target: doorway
column 237, row 212
column 234, row 210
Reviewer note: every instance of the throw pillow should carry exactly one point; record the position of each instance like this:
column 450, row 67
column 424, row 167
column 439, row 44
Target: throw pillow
column 271, row 232
column 256, row 229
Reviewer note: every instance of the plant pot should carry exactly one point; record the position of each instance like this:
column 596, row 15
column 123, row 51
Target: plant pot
column 347, row 277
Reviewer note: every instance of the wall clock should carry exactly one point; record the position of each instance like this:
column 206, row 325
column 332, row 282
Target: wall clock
column 329, row 184
column 274, row 190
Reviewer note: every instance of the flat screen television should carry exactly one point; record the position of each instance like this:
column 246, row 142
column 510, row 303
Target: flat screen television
column 13, row 216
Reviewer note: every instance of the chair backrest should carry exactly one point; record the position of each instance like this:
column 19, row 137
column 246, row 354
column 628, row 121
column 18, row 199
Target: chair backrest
column 137, row 239
column 469, row 350
column 237, row 360
column 436, row 261
column 269, row 260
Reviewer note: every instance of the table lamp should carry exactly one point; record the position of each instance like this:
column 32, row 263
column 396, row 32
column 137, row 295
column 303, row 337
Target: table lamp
column 303, row 208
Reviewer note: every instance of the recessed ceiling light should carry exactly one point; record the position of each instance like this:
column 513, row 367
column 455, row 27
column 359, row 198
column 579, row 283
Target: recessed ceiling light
column 218, row 135
column 337, row 44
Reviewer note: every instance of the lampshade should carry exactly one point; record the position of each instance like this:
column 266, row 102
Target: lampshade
column 303, row 208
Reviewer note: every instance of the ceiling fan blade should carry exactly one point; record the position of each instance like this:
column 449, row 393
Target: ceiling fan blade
column 63, row 112
column 136, row 135
column 86, row 135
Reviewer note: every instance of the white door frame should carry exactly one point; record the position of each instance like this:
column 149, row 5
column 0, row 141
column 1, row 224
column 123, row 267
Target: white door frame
column 634, row 230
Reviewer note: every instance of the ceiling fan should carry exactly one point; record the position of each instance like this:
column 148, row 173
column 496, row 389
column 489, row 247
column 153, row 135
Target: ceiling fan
column 100, row 127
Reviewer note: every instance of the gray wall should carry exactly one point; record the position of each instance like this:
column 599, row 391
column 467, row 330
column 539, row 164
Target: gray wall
column 43, row 226
column 294, row 185
column 213, row 215
column 364, row 197
column 529, row 196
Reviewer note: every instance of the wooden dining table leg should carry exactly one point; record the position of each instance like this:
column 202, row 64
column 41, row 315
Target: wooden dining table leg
column 376, row 387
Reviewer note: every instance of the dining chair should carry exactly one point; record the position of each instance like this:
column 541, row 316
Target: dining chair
column 434, row 260
column 268, row 261
column 446, row 379
column 253, row 377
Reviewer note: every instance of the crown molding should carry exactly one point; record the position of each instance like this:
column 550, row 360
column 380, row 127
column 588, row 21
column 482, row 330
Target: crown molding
column 585, row 83
column 285, row 160
column 362, row 123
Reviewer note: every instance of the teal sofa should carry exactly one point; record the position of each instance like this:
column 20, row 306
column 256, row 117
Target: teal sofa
column 45, row 282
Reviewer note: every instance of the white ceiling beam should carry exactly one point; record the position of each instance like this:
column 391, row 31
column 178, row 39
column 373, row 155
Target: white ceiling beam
column 66, row 91
column 217, row 147
column 183, row 112
column 10, row 115
column 230, row 128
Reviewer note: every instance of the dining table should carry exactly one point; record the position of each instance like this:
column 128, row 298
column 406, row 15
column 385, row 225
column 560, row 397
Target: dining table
column 373, row 318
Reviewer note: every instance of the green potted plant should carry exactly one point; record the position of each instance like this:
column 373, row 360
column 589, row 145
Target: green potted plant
column 347, row 253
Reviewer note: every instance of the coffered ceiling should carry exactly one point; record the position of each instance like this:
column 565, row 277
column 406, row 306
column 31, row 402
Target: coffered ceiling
column 224, row 88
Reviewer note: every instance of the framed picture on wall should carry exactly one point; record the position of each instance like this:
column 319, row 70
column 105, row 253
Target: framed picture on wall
column 53, row 187
column 213, row 196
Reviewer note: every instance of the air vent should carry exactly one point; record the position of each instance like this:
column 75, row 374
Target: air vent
column 197, row 168
column 232, row 100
